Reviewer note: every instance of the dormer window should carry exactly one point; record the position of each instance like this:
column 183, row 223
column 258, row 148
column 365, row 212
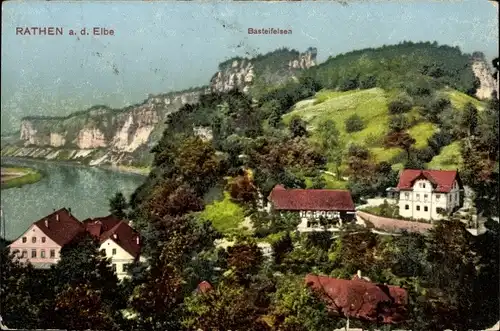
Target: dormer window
column 33, row 240
column 423, row 185
column 24, row 240
column 43, row 239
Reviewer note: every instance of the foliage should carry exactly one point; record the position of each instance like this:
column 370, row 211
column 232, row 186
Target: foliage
column 297, row 127
column 118, row 206
column 224, row 215
column 295, row 307
column 226, row 307
column 354, row 123
column 410, row 65
column 242, row 189
column 400, row 105
column 270, row 223
column 244, row 259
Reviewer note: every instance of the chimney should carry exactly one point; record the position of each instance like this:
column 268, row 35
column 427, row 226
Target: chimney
column 137, row 240
column 69, row 209
column 57, row 217
column 359, row 274
column 115, row 236
column 46, row 223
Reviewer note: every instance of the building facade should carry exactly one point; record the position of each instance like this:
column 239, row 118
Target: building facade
column 120, row 243
column 428, row 194
column 318, row 209
column 41, row 244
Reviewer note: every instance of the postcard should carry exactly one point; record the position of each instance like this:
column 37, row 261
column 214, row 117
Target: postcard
column 249, row 165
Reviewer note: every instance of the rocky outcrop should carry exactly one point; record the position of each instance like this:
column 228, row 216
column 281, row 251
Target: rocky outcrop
column 109, row 136
column 240, row 73
column 485, row 76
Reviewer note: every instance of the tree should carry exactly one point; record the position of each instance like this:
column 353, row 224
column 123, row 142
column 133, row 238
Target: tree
column 354, row 123
column 318, row 182
column 452, row 262
column 242, row 189
column 297, row 127
column 80, row 307
column 17, row 307
column 226, row 307
column 402, row 140
column 118, row 205
column 281, row 247
column 398, row 123
column 469, row 119
column 331, row 143
column 245, row 259
column 295, row 307
column 400, row 105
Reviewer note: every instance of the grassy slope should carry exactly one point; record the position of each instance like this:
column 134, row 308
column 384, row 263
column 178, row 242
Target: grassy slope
column 225, row 215
column 371, row 106
column 449, row 158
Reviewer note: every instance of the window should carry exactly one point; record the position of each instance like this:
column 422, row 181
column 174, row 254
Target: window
column 407, row 207
column 438, row 196
column 426, row 196
column 418, row 207
column 449, row 197
column 52, row 253
column 418, row 196
column 407, row 195
column 33, row 253
column 42, row 254
column 125, row 267
column 43, row 239
column 426, row 208
column 423, row 185
column 33, row 240
column 24, row 254
column 103, row 251
column 114, row 251
column 24, row 240
column 420, row 185
column 113, row 266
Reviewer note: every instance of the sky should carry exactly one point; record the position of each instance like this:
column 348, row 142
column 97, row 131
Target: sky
column 159, row 47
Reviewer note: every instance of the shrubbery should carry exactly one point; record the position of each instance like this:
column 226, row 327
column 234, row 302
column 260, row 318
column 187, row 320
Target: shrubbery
column 354, row 123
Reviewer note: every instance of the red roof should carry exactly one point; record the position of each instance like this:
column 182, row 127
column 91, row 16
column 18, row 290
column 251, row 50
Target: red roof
column 442, row 180
column 361, row 299
column 126, row 237
column 311, row 199
column 60, row 226
column 204, row 287
column 99, row 225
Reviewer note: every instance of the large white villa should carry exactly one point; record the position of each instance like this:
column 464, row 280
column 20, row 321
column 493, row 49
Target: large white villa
column 427, row 194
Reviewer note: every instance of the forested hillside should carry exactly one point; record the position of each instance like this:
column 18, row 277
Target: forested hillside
column 352, row 123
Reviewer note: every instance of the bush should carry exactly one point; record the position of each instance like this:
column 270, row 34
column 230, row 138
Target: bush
column 354, row 123
column 398, row 123
column 400, row 106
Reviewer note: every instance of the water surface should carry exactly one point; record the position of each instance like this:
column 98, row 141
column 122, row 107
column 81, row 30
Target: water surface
column 85, row 190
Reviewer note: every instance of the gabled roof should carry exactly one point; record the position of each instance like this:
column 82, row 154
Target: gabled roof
column 442, row 180
column 311, row 199
column 361, row 299
column 125, row 237
column 99, row 225
column 60, row 226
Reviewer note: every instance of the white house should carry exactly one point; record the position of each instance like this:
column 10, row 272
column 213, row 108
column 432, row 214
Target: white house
column 42, row 242
column 424, row 193
column 335, row 206
column 118, row 240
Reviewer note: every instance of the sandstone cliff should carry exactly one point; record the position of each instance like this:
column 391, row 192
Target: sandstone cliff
column 483, row 72
column 105, row 136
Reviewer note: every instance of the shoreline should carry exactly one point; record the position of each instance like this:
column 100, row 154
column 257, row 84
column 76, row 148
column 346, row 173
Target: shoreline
column 18, row 176
column 139, row 171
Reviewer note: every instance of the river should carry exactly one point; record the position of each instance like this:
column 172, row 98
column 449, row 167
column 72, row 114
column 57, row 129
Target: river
column 86, row 190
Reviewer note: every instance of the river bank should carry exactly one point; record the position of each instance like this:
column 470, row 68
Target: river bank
column 15, row 176
column 142, row 171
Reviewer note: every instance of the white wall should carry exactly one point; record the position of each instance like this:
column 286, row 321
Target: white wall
column 422, row 197
column 39, row 246
column 119, row 259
